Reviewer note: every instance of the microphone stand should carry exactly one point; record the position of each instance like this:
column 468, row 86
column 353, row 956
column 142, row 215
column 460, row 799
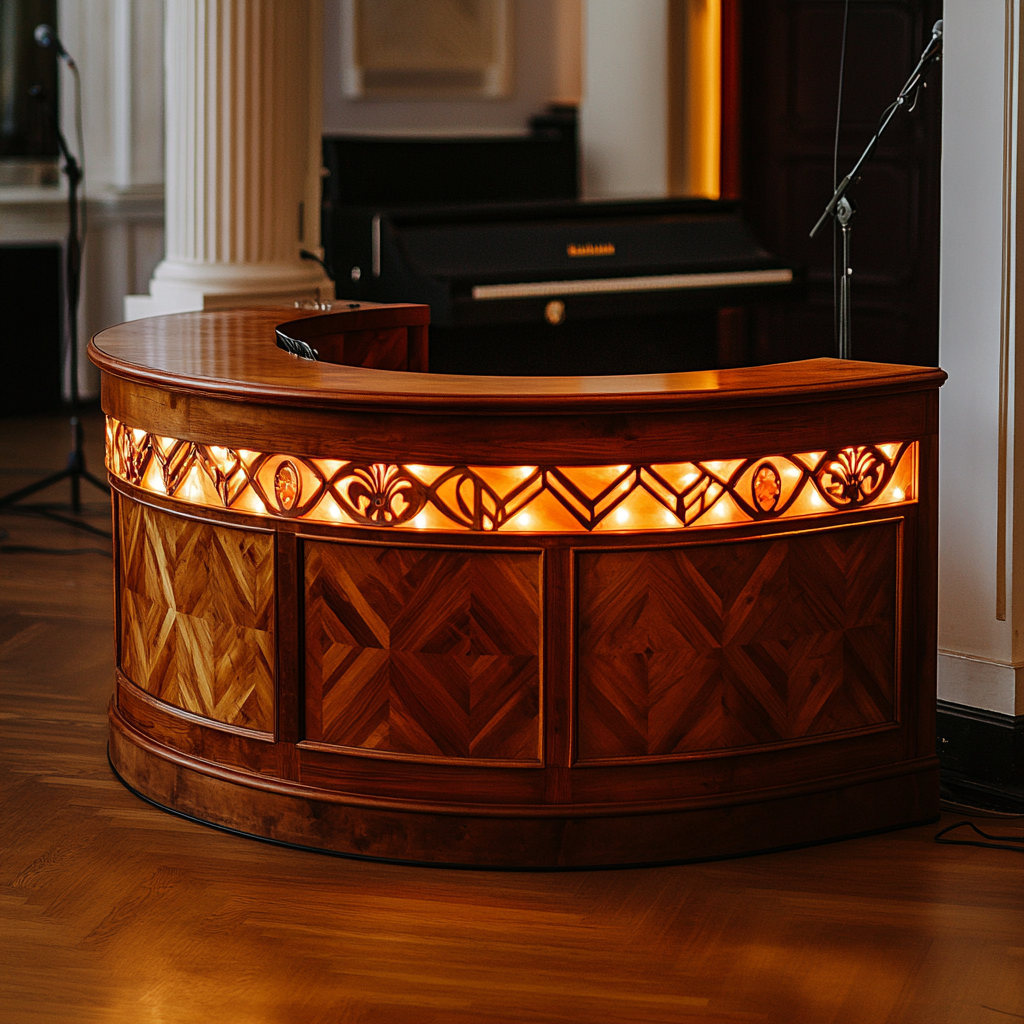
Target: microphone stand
column 75, row 470
column 843, row 209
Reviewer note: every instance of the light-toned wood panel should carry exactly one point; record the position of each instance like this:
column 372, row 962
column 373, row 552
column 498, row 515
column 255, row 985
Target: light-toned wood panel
column 197, row 622
column 423, row 651
column 713, row 647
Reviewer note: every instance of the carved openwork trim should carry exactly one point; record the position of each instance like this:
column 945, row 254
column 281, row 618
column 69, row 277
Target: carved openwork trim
column 530, row 499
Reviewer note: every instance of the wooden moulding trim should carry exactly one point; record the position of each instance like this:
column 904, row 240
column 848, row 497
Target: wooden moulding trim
column 642, row 760
column 645, row 397
column 393, row 755
column 594, row 810
column 173, row 710
column 485, row 437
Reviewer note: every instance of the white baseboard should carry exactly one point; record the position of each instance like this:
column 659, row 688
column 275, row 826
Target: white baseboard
column 980, row 684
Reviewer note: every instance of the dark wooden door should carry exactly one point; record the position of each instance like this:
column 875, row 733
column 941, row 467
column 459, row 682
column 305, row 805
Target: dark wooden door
column 790, row 75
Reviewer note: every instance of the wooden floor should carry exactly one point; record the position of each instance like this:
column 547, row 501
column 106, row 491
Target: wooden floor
column 116, row 911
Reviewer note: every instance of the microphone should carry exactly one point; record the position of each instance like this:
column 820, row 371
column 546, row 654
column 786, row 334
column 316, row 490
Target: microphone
column 934, row 44
column 931, row 52
column 46, row 37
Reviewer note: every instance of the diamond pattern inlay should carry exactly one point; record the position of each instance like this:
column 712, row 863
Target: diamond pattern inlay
column 736, row 645
column 423, row 651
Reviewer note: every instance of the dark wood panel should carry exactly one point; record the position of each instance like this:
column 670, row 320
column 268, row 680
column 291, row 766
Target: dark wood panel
column 790, row 82
column 732, row 645
column 423, row 651
column 197, row 615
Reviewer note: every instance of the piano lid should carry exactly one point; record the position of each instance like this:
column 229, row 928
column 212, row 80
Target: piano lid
column 578, row 241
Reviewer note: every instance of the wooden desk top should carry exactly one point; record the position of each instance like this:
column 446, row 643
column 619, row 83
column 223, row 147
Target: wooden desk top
column 232, row 354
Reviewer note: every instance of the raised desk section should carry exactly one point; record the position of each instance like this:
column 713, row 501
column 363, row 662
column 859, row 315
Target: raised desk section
column 518, row 622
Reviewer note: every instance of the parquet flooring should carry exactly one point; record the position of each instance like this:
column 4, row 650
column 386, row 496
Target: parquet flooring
column 113, row 911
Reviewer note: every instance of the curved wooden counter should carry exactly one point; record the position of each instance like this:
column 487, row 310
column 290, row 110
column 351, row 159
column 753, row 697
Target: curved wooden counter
column 517, row 622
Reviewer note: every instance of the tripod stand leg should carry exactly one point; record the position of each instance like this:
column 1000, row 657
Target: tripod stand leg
column 40, row 485
column 95, row 481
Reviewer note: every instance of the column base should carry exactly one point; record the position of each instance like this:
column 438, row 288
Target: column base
column 190, row 287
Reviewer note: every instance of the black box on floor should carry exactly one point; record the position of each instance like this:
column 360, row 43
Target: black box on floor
column 30, row 309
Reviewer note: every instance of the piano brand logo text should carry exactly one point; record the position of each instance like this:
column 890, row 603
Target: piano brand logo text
column 591, row 249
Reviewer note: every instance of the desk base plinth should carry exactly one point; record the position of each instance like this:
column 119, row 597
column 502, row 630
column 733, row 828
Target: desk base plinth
column 562, row 838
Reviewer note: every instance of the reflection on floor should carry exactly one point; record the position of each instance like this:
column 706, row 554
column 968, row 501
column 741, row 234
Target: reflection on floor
column 115, row 911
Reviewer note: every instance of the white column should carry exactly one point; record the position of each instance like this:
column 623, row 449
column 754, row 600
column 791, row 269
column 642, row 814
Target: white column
column 243, row 124
column 981, row 477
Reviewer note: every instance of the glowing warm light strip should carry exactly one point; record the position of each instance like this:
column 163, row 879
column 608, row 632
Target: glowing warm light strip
column 531, row 499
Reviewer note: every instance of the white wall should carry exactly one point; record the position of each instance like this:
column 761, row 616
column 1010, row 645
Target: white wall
column 624, row 113
column 980, row 661
column 542, row 50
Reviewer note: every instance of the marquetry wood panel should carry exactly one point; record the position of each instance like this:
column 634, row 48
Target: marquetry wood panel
column 736, row 645
column 197, row 624
column 423, row 651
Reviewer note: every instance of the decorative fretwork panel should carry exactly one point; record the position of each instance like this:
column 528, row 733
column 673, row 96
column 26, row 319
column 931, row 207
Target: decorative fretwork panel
column 546, row 499
column 423, row 651
column 736, row 645
column 197, row 626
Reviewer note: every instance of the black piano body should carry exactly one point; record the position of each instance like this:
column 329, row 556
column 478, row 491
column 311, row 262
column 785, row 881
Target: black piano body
column 559, row 287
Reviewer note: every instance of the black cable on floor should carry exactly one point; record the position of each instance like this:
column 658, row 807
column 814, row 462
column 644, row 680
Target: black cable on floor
column 998, row 842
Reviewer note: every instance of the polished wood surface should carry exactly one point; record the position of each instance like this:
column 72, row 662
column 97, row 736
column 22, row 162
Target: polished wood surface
column 113, row 911
column 578, row 663
column 233, row 353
